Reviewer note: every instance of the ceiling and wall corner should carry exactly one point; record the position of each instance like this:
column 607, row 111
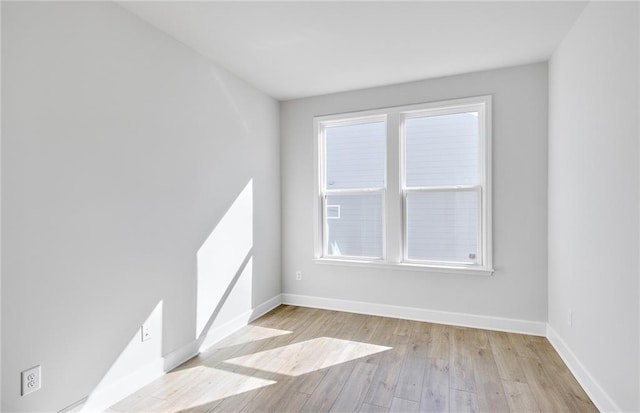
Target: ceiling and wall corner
column 299, row 49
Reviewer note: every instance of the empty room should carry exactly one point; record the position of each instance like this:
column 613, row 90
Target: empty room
column 424, row 206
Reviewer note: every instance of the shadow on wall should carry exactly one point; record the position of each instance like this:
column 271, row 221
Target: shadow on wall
column 223, row 290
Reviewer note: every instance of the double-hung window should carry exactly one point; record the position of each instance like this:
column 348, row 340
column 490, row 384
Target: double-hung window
column 353, row 188
column 406, row 186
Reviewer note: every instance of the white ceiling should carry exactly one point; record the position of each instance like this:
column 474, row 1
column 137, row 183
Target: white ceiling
column 298, row 49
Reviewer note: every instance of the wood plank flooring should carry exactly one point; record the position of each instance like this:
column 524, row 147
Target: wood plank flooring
column 297, row 359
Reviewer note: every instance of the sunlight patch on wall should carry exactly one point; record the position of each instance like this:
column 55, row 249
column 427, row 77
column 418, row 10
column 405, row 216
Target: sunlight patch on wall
column 307, row 356
column 224, row 264
column 137, row 353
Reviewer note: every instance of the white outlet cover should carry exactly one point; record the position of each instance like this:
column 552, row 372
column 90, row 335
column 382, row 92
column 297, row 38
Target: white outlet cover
column 145, row 332
column 31, row 380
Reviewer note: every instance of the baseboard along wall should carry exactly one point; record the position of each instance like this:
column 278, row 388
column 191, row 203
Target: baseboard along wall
column 535, row 328
column 104, row 398
column 598, row 396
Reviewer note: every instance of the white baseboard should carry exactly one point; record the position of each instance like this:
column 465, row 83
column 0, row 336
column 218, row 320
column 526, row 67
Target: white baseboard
column 106, row 397
column 103, row 398
column 536, row 328
column 265, row 307
column 179, row 356
column 218, row 333
column 598, row 396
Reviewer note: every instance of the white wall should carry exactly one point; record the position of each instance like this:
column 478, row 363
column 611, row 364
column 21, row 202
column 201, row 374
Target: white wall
column 0, row 209
column 593, row 197
column 518, row 289
column 122, row 152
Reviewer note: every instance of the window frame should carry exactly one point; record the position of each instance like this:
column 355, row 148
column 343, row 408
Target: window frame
column 323, row 192
column 394, row 243
column 454, row 107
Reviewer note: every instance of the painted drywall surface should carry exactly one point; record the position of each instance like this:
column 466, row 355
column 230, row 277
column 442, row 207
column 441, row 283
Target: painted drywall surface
column 123, row 152
column 518, row 288
column 0, row 208
column 593, row 196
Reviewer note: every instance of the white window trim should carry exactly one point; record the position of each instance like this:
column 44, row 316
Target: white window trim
column 320, row 126
column 394, row 233
column 380, row 265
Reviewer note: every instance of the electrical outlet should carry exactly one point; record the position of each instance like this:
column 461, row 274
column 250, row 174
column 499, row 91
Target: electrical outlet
column 145, row 332
column 570, row 318
column 31, row 380
column 299, row 275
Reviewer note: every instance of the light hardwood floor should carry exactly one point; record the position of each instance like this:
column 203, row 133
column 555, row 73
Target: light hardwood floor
column 297, row 359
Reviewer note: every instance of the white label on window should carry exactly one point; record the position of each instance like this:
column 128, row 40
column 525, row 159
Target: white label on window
column 333, row 211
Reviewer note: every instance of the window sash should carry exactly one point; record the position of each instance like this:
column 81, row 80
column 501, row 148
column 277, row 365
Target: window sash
column 482, row 236
column 479, row 228
column 325, row 221
column 322, row 144
column 325, row 192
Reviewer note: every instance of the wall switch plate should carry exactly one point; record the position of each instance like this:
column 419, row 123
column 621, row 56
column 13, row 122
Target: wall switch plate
column 299, row 275
column 570, row 318
column 145, row 332
column 31, row 380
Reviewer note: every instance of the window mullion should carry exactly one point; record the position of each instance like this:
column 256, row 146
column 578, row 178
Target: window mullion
column 394, row 202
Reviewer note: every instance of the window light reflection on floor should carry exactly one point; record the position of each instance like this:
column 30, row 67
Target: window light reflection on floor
column 307, row 356
column 210, row 384
column 252, row 333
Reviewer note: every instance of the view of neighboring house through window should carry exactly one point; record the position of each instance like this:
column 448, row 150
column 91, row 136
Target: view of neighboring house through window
column 407, row 185
column 441, row 187
column 353, row 188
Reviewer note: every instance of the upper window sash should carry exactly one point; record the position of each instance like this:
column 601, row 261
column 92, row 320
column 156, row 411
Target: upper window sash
column 458, row 108
column 321, row 158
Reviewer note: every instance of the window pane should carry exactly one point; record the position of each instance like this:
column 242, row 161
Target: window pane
column 355, row 156
column 358, row 230
column 442, row 226
column 442, row 150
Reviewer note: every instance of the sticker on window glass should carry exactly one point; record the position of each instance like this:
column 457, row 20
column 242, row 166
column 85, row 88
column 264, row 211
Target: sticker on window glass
column 333, row 211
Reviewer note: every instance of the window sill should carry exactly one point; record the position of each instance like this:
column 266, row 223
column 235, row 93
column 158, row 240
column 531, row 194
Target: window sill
column 407, row 266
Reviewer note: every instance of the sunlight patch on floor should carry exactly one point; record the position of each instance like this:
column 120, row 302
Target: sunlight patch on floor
column 251, row 333
column 307, row 356
column 204, row 385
